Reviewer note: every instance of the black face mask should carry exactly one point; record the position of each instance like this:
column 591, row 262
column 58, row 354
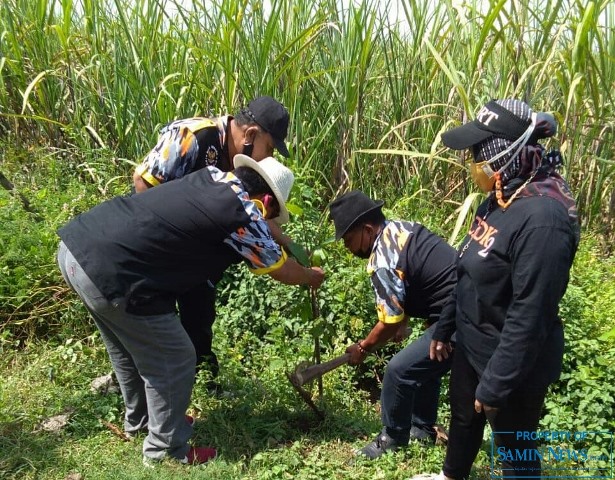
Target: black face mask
column 247, row 149
column 366, row 252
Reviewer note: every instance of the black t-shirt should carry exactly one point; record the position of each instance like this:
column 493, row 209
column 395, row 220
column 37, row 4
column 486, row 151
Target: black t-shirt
column 513, row 269
column 412, row 271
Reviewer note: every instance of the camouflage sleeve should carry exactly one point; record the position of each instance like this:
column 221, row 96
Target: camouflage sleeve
column 173, row 157
column 390, row 293
column 253, row 241
column 255, row 244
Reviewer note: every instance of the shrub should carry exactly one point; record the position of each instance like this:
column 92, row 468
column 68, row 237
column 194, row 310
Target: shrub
column 584, row 397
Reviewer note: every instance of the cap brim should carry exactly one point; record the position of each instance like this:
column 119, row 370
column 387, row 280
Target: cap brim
column 242, row 160
column 281, row 147
column 465, row 136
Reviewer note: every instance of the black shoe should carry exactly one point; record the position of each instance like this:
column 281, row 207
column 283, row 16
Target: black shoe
column 380, row 445
column 423, row 434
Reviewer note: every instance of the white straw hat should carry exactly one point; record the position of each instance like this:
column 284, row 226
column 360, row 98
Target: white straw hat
column 277, row 176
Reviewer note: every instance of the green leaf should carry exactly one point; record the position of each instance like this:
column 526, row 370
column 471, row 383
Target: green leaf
column 294, row 209
column 299, row 253
column 610, row 335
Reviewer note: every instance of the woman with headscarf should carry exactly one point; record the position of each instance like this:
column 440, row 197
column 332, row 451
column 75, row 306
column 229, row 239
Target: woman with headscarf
column 513, row 269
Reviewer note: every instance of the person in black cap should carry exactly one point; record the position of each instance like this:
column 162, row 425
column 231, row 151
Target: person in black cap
column 187, row 145
column 513, row 269
column 412, row 273
column 190, row 144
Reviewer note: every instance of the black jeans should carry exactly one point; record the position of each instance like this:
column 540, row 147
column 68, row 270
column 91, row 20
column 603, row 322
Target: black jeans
column 410, row 390
column 197, row 310
column 520, row 414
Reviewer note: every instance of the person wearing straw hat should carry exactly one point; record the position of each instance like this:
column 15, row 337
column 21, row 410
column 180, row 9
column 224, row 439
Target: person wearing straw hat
column 130, row 257
column 513, row 268
column 412, row 272
column 187, row 145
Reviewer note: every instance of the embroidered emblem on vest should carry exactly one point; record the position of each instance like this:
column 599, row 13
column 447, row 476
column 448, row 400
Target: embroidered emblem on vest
column 212, row 155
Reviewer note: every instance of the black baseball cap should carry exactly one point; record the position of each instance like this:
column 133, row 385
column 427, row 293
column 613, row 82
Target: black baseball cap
column 498, row 118
column 272, row 117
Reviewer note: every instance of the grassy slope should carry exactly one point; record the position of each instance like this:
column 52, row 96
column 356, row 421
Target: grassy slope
column 262, row 431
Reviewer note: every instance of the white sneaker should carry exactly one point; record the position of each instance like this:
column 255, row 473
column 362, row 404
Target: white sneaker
column 430, row 476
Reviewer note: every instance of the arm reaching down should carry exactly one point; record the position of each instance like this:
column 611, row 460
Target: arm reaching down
column 291, row 273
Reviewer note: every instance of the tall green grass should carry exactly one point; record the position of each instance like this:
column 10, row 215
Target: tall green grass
column 368, row 96
column 84, row 87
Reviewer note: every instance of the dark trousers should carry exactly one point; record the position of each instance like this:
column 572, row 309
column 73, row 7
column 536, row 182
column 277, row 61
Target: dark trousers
column 520, row 414
column 410, row 390
column 197, row 310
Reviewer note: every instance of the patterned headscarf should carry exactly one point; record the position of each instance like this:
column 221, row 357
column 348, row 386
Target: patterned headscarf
column 547, row 181
column 532, row 160
column 496, row 144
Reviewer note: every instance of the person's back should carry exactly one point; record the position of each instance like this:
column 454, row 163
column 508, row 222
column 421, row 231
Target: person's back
column 428, row 263
column 161, row 242
column 185, row 146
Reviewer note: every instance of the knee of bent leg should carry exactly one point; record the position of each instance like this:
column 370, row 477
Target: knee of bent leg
column 396, row 369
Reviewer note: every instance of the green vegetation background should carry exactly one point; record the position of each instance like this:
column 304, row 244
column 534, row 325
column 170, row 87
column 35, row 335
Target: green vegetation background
column 84, row 87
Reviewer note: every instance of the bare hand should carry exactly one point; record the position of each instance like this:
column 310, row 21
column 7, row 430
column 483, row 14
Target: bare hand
column 480, row 406
column 316, row 276
column 356, row 356
column 440, row 350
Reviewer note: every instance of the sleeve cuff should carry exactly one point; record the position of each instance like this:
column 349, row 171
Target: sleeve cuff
column 486, row 397
column 141, row 170
column 271, row 268
column 391, row 319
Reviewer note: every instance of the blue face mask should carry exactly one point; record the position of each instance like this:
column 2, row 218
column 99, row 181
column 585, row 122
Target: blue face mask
column 261, row 207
